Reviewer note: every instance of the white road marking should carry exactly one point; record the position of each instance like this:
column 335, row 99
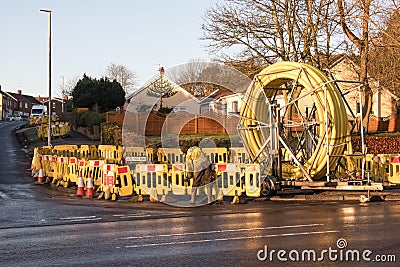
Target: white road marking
column 228, row 239
column 4, row 196
column 221, row 231
column 124, row 216
column 81, row 218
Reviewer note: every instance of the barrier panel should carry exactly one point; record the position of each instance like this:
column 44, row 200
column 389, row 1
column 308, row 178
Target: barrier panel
column 229, row 178
column 238, row 155
column 95, row 168
column 83, row 168
column 66, row 150
column 72, row 175
column 216, row 155
column 394, row 173
column 170, row 155
column 135, row 154
column 252, row 180
column 109, row 153
column 152, row 178
column 178, row 174
column 150, row 154
column 61, row 169
column 124, row 182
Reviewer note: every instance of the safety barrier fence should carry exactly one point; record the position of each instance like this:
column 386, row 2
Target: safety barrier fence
column 58, row 129
column 66, row 164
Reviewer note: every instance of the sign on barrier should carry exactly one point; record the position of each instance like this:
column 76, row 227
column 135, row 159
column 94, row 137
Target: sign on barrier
column 109, row 174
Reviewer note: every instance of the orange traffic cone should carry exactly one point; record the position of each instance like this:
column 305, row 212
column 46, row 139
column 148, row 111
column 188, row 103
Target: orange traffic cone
column 40, row 179
column 89, row 186
column 80, row 191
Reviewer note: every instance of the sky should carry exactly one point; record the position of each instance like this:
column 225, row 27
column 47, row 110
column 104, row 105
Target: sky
column 89, row 35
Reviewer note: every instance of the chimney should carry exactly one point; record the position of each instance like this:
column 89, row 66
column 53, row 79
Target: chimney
column 19, row 91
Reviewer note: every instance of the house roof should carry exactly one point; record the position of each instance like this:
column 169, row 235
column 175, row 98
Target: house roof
column 24, row 98
column 8, row 94
column 176, row 88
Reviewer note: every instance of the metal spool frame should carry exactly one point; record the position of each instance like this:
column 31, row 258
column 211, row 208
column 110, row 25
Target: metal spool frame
column 294, row 122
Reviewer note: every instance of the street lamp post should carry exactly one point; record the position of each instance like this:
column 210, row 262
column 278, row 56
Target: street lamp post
column 49, row 37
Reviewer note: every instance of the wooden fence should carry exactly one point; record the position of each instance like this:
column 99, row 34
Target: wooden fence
column 182, row 123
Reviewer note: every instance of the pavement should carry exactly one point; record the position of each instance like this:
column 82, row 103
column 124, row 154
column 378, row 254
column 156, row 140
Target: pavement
column 74, row 138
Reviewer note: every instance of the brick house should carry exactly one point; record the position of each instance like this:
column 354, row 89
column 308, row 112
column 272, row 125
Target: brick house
column 8, row 104
column 24, row 103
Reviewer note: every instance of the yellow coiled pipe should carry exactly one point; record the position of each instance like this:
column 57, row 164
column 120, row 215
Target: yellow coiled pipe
column 254, row 109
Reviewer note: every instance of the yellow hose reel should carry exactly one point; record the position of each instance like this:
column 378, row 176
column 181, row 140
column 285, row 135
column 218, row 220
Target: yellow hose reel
column 311, row 139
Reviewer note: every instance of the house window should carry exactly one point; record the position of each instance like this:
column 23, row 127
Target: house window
column 20, row 104
column 26, row 105
column 54, row 105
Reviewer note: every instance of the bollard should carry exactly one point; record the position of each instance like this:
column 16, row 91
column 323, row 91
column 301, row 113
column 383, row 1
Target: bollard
column 89, row 186
column 80, row 191
column 40, row 179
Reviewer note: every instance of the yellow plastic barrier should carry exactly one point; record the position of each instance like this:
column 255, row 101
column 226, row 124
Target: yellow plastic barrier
column 48, row 164
column 170, row 155
column 150, row 154
column 88, row 152
column 61, row 169
column 238, row 155
column 135, row 154
column 394, row 173
column 252, row 180
column 152, row 178
column 123, row 183
column 83, row 168
column 72, row 175
column 354, row 165
column 95, row 168
column 66, row 150
column 228, row 180
column 109, row 153
column 216, row 155
column 178, row 174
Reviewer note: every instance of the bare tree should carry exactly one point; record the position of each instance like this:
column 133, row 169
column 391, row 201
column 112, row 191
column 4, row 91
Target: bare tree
column 188, row 76
column 123, row 75
column 271, row 30
column 70, row 84
column 361, row 21
column 202, row 78
column 385, row 55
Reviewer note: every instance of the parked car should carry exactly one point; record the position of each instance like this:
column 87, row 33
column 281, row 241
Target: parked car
column 14, row 118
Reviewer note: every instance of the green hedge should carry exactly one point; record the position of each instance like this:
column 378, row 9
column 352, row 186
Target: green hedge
column 85, row 118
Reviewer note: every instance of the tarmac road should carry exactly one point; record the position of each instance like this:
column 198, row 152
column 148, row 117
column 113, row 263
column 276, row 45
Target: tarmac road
column 40, row 226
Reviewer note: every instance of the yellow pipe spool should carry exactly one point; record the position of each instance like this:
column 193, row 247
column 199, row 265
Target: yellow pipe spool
column 294, row 86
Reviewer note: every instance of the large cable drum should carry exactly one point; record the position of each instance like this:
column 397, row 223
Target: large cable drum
column 309, row 115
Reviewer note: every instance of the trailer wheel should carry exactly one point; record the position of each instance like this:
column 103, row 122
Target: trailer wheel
column 268, row 187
